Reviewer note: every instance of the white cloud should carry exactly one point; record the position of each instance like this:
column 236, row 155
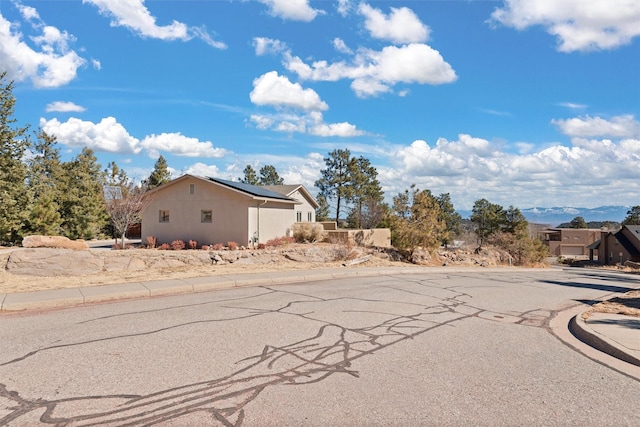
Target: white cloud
column 573, row 105
column 107, row 135
column 50, row 62
column 110, row 136
column 133, row 14
column 375, row 72
column 265, row 45
column 295, row 10
column 277, row 91
column 472, row 168
column 344, row 7
column 64, row 107
column 625, row 126
column 402, row 25
column 579, row 25
column 180, row 145
column 201, row 169
column 311, row 123
column 341, row 46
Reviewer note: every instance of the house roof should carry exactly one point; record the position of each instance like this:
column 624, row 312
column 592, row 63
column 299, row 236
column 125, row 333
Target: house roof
column 254, row 191
column 288, row 190
column 631, row 241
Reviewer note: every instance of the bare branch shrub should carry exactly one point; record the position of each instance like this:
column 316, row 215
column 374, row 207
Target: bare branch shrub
column 178, row 245
column 308, row 232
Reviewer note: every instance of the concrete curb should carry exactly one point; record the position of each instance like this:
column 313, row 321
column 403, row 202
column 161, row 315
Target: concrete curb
column 58, row 298
column 581, row 330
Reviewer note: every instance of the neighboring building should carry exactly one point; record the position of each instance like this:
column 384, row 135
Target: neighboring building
column 620, row 246
column 212, row 210
column 569, row 242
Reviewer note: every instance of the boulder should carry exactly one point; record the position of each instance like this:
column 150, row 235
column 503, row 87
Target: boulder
column 53, row 242
column 54, row 262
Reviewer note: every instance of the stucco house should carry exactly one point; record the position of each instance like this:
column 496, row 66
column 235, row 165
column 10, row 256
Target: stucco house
column 620, row 246
column 569, row 241
column 213, row 210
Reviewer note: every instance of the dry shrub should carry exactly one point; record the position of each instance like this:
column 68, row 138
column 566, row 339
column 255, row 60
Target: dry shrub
column 232, row 246
column 261, row 246
column 193, row 244
column 178, row 245
column 164, row 247
column 280, row 241
column 205, row 247
column 218, row 247
column 308, row 232
column 152, row 241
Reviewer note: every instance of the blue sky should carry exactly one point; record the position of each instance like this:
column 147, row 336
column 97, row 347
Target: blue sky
column 522, row 102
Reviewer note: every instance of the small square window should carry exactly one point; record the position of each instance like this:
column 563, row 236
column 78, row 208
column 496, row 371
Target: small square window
column 164, row 216
column 192, row 189
column 206, row 216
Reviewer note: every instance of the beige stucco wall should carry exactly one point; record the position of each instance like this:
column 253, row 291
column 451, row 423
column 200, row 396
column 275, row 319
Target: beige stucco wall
column 308, row 212
column 377, row 237
column 274, row 220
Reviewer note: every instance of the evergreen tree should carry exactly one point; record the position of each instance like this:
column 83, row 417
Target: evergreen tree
column 633, row 216
column 335, row 181
column 160, row 174
column 269, row 176
column 14, row 193
column 451, row 218
column 488, row 218
column 44, row 178
column 578, row 222
column 416, row 220
column 83, row 208
column 515, row 222
column 250, row 176
column 366, row 194
column 322, row 212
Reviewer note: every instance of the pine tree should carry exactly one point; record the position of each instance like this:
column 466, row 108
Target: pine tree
column 489, row 218
column 14, row 194
column 335, row 181
column 416, row 221
column 451, row 218
column 269, row 176
column 322, row 212
column 633, row 216
column 160, row 174
column 366, row 193
column 250, row 176
column 83, row 208
column 44, row 178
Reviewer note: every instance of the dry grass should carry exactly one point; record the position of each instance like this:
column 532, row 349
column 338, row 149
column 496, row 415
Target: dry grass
column 627, row 304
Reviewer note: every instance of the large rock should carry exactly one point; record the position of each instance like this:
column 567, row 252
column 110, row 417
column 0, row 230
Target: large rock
column 54, row 262
column 53, row 242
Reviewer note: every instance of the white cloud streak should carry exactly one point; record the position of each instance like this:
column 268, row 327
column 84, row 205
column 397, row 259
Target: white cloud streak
column 134, row 15
column 64, row 107
column 578, row 25
column 625, row 126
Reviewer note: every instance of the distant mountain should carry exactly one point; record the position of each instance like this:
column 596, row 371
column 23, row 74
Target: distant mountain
column 557, row 215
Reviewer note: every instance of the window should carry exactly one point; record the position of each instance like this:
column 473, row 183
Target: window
column 192, row 189
column 298, row 216
column 164, row 216
column 309, row 216
column 206, row 217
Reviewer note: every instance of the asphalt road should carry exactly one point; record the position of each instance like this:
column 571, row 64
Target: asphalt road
column 468, row 348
